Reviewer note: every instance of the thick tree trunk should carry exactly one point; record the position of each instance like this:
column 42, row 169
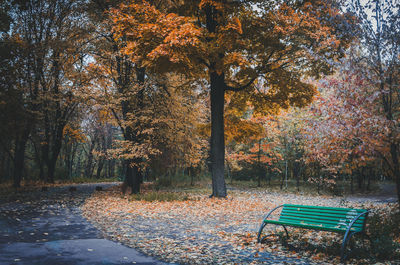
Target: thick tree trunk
column 132, row 177
column 360, row 179
column 99, row 167
column 51, row 168
column 19, row 158
column 217, row 135
column 111, row 168
column 55, row 152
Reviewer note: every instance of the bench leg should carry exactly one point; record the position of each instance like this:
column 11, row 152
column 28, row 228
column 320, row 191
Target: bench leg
column 260, row 231
column 287, row 234
column 259, row 238
column 346, row 239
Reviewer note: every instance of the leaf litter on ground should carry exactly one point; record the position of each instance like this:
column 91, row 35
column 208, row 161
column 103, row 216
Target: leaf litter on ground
column 203, row 230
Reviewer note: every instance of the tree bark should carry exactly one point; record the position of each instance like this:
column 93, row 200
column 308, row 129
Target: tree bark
column 217, row 134
column 89, row 163
column 99, row 167
column 133, row 177
column 56, row 148
column 19, row 155
column 396, row 168
column 259, row 169
column 19, row 159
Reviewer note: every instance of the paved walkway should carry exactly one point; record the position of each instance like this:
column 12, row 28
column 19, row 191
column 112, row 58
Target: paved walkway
column 46, row 228
column 386, row 194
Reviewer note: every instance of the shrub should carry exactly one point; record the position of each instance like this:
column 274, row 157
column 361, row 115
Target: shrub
column 382, row 231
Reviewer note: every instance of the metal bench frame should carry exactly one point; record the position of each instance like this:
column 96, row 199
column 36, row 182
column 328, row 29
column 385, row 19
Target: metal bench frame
column 348, row 234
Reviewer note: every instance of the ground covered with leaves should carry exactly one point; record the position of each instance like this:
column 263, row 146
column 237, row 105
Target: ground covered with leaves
column 191, row 228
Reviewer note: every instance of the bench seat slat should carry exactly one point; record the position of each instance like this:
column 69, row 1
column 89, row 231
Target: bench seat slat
column 320, row 208
column 322, row 212
column 313, row 226
column 344, row 223
column 321, row 217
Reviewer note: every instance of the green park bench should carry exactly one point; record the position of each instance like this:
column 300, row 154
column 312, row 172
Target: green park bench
column 339, row 220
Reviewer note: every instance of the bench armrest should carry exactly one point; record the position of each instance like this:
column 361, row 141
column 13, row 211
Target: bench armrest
column 355, row 219
column 348, row 234
column 270, row 212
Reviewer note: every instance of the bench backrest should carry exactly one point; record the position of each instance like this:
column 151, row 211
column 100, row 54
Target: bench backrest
column 323, row 218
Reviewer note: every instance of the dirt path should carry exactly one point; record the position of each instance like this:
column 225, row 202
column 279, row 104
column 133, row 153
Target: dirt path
column 387, row 194
column 47, row 228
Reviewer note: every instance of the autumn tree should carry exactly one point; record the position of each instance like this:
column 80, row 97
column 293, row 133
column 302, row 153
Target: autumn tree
column 73, row 138
column 17, row 93
column 233, row 45
column 379, row 58
column 179, row 113
column 344, row 132
column 49, row 76
column 14, row 105
column 121, row 84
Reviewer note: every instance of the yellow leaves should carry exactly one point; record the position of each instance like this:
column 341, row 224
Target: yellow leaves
column 75, row 134
column 236, row 59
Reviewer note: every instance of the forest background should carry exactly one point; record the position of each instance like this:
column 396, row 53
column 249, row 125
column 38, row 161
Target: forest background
column 298, row 93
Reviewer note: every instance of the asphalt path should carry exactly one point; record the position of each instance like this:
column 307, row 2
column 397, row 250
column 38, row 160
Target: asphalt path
column 46, row 228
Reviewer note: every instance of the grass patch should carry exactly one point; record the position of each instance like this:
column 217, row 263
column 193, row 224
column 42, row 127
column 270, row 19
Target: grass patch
column 160, row 196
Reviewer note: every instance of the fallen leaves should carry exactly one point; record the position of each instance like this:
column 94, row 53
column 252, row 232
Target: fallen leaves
column 206, row 230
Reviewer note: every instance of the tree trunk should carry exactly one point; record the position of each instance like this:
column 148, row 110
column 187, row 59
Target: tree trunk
column 259, row 164
column 396, row 168
column 296, row 173
column 99, row 167
column 88, row 169
column 351, row 183
column 72, row 160
column 132, row 177
column 217, row 134
column 51, row 168
column 369, row 180
column 191, row 175
column 78, row 167
column 359, row 179
column 56, row 148
column 2, row 167
column 19, row 158
column 111, row 168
